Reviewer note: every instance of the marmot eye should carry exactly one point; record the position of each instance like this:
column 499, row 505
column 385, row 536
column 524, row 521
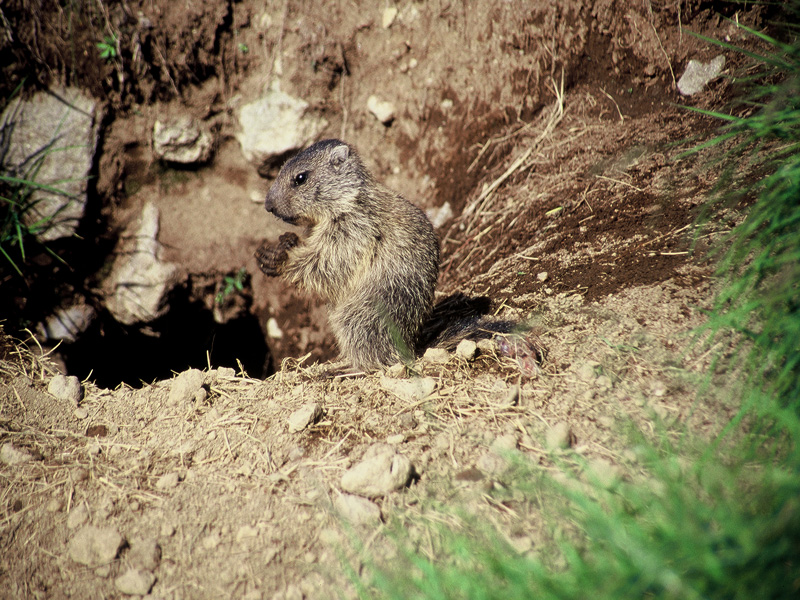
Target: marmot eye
column 300, row 179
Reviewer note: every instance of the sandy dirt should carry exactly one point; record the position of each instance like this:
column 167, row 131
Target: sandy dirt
column 549, row 130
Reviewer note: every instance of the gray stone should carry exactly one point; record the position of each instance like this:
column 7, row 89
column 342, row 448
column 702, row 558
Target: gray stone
column 144, row 554
column 467, row 349
column 382, row 471
column 274, row 126
column 182, row 140
column 185, row 386
column 699, row 74
column 357, row 510
column 67, row 323
column 305, row 416
column 140, row 280
column 52, row 141
column 438, row 356
column 135, row 582
column 12, row 455
column 95, row 546
column 66, row 388
column 416, row 388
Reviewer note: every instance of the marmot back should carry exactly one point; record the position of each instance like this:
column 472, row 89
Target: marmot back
column 371, row 254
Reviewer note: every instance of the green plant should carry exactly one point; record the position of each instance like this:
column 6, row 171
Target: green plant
column 108, row 47
column 231, row 284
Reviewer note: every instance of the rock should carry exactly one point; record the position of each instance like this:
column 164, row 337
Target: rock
column 397, row 438
column 559, row 437
column 492, row 463
column 273, row 329
column 467, row 349
column 78, row 516
column 410, row 389
column 381, row 109
column 388, row 16
column 167, row 481
column 589, row 371
column 65, row 388
column 438, row 356
column 95, row 546
column 140, row 281
column 504, row 443
column 274, row 126
column 144, row 554
column 357, row 510
column 382, row 471
column 440, row 215
column 185, row 386
column 52, row 138
column 304, row 416
column 182, row 140
column 605, row 474
column 67, row 323
column 398, row 369
column 542, row 276
column 13, row 455
column 135, row 582
column 487, row 346
column 698, row 74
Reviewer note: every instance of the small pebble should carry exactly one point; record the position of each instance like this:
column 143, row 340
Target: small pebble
column 145, row 554
column 559, row 437
column 185, row 386
column 135, row 582
column 416, row 388
column 305, row 416
column 357, row 510
column 95, row 546
column 382, row 471
column 167, row 481
column 467, row 349
column 437, row 356
column 65, row 388
column 14, row 455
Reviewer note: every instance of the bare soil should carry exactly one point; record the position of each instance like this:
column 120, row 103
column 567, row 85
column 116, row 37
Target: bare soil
column 550, row 129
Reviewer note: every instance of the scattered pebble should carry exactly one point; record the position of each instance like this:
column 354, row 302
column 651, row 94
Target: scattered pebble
column 273, row 329
column 55, row 505
column 504, row 443
column 698, row 74
column 396, row 439
column 246, row 533
column 95, row 546
column 226, row 372
column 305, row 416
column 13, row 455
column 416, row 388
column 604, row 473
column 80, row 413
column 438, row 216
column 144, row 554
column 65, row 388
column 604, row 382
column 542, row 276
column 167, row 481
column 388, row 17
column 78, row 516
column 357, row 510
column 487, row 346
column 185, row 386
column 559, row 437
column 438, row 356
column 589, row 371
column 492, row 463
column 467, row 349
column 135, row 582
column 383, row 110
column 382, row 471
column 658, row 389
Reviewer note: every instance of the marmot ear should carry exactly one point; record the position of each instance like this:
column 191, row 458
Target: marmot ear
column 339, row 154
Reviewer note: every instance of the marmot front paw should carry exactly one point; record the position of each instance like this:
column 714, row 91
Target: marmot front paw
column 271, row 258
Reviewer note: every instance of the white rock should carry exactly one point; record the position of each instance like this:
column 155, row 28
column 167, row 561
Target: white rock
column 167, row 481
column 275, row 125
column 12, row 455
column 698, row 74
column 185, row 386
column 78, row 516
column 558, row 437
column 357, row 510
column 67, row 323
column 140, row 281
column 467, row 349
column 273, row 329
column 135, row 582
column 182, row 140
column 542, row 276
column 388, row 17
column 440, row 215
column 382, row 471
column 416, row 388
column 65, row 388
column 436, row 356
column 383, row 110
column 304, row 416
column 94, row 546
column 60, row 127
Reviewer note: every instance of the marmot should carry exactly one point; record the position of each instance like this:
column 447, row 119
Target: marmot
column 368, row 252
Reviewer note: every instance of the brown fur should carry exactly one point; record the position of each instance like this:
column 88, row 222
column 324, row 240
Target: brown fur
column 368, row 252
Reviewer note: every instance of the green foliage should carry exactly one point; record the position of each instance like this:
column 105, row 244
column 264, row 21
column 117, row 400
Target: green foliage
column 231, row 284
column 108, row 48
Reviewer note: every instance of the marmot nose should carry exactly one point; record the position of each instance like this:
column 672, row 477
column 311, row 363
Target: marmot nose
column 269, row 202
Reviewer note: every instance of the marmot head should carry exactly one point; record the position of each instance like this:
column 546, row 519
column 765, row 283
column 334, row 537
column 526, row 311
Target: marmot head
column 321, row 183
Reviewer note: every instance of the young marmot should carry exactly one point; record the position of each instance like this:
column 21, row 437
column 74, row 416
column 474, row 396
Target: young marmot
column 367, row 251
